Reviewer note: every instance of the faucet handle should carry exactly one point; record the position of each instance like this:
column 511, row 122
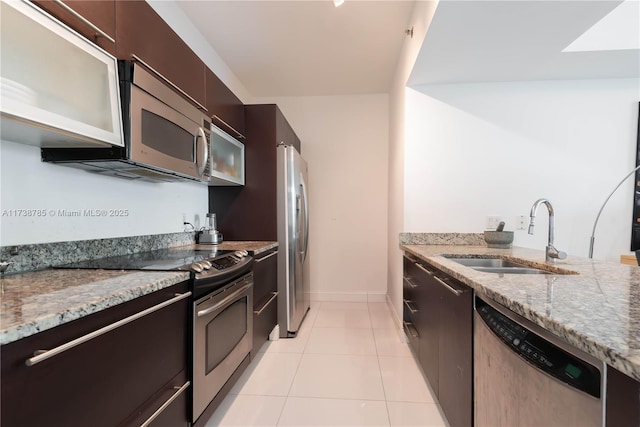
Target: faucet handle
column 553, row 253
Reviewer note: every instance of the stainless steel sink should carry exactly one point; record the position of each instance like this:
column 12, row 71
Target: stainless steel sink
column 511, row 270
column 486, row 262
column 498, row 266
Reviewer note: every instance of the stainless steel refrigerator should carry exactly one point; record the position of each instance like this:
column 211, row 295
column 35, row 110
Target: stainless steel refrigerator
column 293, row 239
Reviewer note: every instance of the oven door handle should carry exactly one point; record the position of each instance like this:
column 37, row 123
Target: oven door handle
column 224, row 301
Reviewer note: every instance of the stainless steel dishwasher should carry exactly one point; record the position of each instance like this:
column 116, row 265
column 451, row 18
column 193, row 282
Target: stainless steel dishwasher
column 525, row 376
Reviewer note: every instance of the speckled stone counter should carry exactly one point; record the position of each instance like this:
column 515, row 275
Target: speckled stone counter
column 37, row 301
column 45, row 255
column 253, row 247
column 596, row 310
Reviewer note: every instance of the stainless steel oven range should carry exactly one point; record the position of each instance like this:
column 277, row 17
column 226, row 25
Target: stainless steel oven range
column 222, row 319
column 223, row 337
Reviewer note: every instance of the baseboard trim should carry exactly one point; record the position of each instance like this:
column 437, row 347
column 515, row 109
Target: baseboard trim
column 349, row 296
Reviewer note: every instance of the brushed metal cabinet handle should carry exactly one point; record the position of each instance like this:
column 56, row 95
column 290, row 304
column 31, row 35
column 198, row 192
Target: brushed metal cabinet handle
column 85, row 21
column 410, row 282
column 259, row 312
column 408, row 304
column 268, row 256
column 439, row 280
column 167, row 81
column 411, row 329
column 238, row 134
column 41, row 355
column 448, row 287
column 174, row 396
column 429, row 272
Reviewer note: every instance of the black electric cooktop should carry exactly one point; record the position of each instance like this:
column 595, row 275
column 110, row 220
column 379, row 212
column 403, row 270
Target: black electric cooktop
column 159, row 260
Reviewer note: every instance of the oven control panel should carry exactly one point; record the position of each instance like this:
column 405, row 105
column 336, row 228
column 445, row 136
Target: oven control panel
column 220, row 263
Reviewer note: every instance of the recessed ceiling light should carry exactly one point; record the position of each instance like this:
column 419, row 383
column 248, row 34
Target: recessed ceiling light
column 338, row 2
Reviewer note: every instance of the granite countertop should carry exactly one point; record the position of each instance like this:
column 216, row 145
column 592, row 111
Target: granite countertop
column 596, row 310
column 253, row 247
column 37, row 301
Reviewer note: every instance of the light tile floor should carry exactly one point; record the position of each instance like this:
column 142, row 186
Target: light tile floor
column 347, row 367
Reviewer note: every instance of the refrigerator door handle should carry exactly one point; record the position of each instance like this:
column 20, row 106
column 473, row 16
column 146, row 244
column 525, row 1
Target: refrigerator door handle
column 306, row 217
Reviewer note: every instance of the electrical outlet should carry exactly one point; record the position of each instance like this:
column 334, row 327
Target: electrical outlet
column 493, row 221
column 521, row 222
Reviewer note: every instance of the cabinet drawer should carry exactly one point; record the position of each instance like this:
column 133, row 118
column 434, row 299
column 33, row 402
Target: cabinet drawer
column 167, row 408
column 104, row 380
column 265, row 318
column 412, row 334
column 265, row 276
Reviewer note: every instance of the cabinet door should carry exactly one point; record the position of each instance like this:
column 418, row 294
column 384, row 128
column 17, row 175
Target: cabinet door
column 140, row 31
column 429, row 302
column 623, row 400
column 455, row 390
column 97, row 20
column 225, row 109
column 265, row 298
column 284, row 131
column 104, row 380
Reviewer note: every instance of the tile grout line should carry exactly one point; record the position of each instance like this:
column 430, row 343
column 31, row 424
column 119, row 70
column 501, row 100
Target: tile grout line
column 304, row 348
column 384, row 391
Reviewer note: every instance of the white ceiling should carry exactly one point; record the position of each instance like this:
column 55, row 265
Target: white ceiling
column 297, row 48
column 479, row 41
column 310, row 47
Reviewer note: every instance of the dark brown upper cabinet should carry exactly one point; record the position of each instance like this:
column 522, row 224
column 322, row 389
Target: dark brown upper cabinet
column 94, row 20
column 250, row 212
column 141, row 33
column 225, row 109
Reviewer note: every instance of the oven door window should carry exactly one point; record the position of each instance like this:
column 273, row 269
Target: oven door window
column 166, row 137
column 224, row 332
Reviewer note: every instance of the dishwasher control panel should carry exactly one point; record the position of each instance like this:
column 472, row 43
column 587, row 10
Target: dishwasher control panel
column 539, row 352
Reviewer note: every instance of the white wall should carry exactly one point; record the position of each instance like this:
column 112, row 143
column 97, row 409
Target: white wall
column 420, row 20
column 474, row 150
column 27, row 183
column 344, row 141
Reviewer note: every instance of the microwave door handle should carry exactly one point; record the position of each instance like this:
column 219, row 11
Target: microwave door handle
column 205, row 152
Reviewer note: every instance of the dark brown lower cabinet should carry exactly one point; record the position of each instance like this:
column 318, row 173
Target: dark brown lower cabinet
column 455, row 389
column 440, row 309
column 410, row 314
column 265, row 297
column 119, row 378
column 623, row 400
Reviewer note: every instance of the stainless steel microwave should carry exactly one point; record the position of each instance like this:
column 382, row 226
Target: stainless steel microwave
column 166, row 137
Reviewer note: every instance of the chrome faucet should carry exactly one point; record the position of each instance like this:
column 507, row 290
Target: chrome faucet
column 551, row 252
